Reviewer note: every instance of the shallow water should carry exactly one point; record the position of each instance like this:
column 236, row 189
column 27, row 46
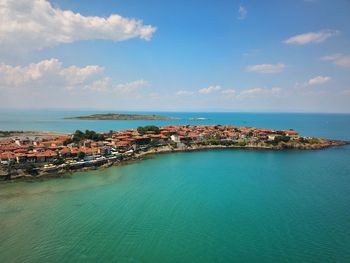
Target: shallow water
column 212, row 206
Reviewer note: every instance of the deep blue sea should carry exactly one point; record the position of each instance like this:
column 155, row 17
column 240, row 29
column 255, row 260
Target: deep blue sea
column 210, row 206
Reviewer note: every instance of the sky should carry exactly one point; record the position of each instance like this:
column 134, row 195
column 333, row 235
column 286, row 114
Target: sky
column 184, row 55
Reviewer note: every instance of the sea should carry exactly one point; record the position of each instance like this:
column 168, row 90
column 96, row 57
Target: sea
column 208, row 206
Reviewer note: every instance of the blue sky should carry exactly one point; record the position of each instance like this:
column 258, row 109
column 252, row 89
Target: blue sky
column 184, row 56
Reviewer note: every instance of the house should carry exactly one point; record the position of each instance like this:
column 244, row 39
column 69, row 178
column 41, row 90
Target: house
column 47, row 156
column 21, row 157
column 31, row 158
column 87, row 143
column 175, row 138
column 163, row 139
column 7, row 157
column 89, row 151
column 142, row 140
column 193, row 136
column 122, row 145
column 272, row 136
column 105, row 150
column 290, row 132
column 65, row 152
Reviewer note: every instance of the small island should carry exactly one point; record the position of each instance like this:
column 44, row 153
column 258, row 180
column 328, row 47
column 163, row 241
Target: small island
column 119, row 116
column 60, row 155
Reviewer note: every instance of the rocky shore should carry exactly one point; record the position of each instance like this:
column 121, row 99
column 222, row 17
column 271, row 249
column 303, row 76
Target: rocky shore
column 66, row 170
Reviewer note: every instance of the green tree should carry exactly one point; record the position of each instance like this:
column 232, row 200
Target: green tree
column 78, row 136
column 81, row 155
column 281, row 138
column 149, row 128
column 314, row 141
column 59, row 161
column 242, row 143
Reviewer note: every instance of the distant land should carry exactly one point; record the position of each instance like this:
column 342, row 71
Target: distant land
column 117, row 116
column 198, row 119
column 29, row 133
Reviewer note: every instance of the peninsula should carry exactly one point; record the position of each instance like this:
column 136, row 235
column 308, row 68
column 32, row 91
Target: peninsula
column 117, row 116
column 63, row 154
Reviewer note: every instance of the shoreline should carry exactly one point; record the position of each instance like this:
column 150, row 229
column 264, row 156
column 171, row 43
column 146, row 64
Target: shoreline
column 104, row 164
column 19, row 134
column 56, row 156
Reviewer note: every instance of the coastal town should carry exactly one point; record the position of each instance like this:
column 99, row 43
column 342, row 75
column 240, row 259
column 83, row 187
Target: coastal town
column 29, row 157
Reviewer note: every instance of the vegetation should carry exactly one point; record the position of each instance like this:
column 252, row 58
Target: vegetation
column 227, row 143
column 242, row 143
column 10, row 133
column 81, row 155
column 315, row 141
column 303, row 140
column 148, row 129
column 281, row 138
column 59, row 161
column 310, row 141
column 173, row 144
column 5, row 133
column 78, row 136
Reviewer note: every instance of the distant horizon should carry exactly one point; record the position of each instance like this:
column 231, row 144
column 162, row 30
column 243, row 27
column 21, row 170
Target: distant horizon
column 165, row 111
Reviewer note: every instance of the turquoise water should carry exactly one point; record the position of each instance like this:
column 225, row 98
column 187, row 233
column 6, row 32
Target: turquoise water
column 214, row 206
column 211, row 206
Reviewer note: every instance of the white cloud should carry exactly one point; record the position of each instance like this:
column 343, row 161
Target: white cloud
column 259, row 91
column 100, row 84
column 15, row 76
column 229, row 91
column 36, row 24
column 338, row 59
column 332, row 57
column 77, row 76
column 312, row 37
column 243, row 93
column 209, row 89
column 50, row 74
column 319, row 80
column 131, row 86
column 242, row 12
column 184, row 93
column 266, row 68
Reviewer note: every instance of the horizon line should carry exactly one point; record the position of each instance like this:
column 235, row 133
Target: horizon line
column 175, row 111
